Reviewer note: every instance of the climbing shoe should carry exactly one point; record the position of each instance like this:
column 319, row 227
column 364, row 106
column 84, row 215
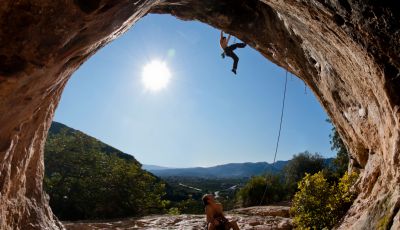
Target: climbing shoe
column 234, row 71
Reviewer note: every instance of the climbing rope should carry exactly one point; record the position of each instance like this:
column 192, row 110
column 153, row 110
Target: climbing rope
column 280, row 123
column 279, row 132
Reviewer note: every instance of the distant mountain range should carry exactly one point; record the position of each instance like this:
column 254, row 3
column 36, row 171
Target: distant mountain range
column 232, row 170
column 154, row 167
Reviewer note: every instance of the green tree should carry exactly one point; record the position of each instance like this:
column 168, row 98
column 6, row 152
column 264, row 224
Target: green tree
column 301, row 164
column 190, row 206
column 318, row 204
column 87, row 180
column 341, row 161
column 252, row 193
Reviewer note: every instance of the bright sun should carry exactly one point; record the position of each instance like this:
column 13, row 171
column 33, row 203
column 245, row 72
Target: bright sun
column 155, row 75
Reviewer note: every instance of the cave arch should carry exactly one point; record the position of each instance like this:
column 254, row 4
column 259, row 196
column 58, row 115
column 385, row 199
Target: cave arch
column 346, row 51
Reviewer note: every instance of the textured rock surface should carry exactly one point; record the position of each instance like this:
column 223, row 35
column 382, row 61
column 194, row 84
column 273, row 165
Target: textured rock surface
column 346, row 51
column 282, row 211
column 247, row 219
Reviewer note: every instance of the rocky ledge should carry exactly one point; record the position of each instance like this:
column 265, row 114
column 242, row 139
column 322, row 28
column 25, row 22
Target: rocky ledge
column 265, row 217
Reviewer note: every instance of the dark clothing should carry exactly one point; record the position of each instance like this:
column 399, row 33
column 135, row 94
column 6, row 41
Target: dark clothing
column 221, row 219
column 222, row 222
column 229, row 52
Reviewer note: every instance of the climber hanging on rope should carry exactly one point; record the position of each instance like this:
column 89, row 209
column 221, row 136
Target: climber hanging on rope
column 228, row 50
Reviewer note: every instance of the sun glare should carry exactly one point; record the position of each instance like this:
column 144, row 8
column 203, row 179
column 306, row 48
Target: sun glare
column 155, row 75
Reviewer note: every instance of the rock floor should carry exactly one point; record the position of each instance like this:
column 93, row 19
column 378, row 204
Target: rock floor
column 257, row 218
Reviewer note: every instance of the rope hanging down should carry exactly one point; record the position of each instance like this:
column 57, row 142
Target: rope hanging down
column 279, row 132
column 280, row 123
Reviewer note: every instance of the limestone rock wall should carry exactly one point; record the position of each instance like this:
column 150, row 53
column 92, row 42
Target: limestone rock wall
column 41, row 44
column 346, row 51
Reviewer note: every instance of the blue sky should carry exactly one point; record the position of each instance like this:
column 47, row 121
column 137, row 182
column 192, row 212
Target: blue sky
column 206, row 115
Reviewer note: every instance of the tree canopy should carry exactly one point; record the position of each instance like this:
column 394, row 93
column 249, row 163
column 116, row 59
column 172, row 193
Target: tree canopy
column 301, row 164
column 87, row 179
column 341, row 161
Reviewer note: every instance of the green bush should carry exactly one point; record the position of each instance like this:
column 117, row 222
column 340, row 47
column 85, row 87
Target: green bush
column 190, row 206
column 174, row 211
column 252, row 193
column 301, row 164
column 341, row 162
column 318, row 204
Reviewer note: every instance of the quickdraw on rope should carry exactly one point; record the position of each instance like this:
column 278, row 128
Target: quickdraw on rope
column 305, row 88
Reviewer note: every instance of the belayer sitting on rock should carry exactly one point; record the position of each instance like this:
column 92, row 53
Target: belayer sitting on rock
column 228, row 50
column 215, row 217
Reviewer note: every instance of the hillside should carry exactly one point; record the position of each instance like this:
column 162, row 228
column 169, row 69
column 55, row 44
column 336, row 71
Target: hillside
column 87, row 179
column 57, row 128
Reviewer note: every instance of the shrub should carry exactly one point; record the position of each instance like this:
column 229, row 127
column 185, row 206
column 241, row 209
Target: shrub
column 318, row 204
column 252, row 193
column 190, row 206
column 341, row 162
column 301, row 164
column 174, row 211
